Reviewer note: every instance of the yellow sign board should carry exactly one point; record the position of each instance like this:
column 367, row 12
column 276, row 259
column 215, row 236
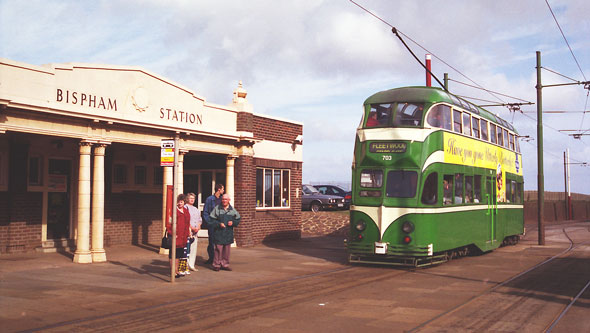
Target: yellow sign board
column 467, row 151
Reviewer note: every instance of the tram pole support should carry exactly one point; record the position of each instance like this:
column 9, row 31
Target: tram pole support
column 446, row 81
column 540, row 175
column 174, row 215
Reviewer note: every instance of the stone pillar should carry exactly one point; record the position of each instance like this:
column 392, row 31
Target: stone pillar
column 167, row 180
column 98, row 252
column 82, row 254
column 229, row 180
column 181, row 154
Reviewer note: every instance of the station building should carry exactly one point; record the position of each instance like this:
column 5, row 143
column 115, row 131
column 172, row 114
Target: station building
column 80, row 158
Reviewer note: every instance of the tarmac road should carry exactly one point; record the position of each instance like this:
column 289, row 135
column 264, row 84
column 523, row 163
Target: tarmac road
column 301, row 286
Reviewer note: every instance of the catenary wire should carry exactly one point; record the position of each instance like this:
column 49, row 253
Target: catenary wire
column 554, row 72
column 568, row 44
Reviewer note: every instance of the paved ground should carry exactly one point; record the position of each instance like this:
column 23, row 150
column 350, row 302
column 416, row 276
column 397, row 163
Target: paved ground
column 300, row 286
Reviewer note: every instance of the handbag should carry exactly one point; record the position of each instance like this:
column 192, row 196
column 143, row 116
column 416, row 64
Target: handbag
column 166, row 241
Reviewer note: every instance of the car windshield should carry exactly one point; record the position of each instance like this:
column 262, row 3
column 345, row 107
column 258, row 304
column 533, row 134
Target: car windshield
column 308, row 189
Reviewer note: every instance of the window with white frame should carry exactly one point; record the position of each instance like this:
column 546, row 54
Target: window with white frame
column 272, row 188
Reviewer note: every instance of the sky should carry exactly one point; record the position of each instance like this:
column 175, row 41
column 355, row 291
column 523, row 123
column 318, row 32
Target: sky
column 316, row 61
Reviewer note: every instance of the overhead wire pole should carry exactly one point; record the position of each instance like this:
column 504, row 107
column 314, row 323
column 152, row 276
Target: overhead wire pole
column 174, row 215
column 540, row 175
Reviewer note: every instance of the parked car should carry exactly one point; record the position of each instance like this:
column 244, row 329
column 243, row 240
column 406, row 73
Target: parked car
column 313, row 200
column 335, row 190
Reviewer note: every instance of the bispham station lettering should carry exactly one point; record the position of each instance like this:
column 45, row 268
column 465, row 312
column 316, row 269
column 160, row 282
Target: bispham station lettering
column 83, row 99
column 181, row 116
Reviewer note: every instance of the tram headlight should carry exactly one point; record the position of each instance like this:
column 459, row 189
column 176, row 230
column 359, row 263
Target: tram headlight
column 360, row 225
column 408, row 227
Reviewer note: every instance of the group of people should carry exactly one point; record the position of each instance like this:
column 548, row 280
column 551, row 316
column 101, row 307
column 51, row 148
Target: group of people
column 218, row 217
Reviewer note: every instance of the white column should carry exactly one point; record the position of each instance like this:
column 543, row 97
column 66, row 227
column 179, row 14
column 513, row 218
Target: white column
column 98, row 252
column 82, row 254
column 229, row 177
column 167, row 179
column 181, row 154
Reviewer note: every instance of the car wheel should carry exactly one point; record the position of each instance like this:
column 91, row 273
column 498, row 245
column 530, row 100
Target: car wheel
column 315, row 206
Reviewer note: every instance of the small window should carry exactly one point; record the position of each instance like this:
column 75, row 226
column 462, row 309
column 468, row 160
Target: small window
column 401, row 184
column 493, row 133
column 440, row 116
column 120, row 174
column 518, row 193
column 379, row 115
column 447, row 189
column 512, row 142
column 477, row 189
column 457, row 127
column 408, row 114
column 484, row 129
column 371, row 178
column 469, row 189
column 475, row 127
column 500, row 136
column 506, row 140
column 35, row 169
column 140, row 175
column 458, row 188
column 508, row 191
column 158, row 175
column 517, row 144
column 430, row 190
column 272, row 188
column 466, row 124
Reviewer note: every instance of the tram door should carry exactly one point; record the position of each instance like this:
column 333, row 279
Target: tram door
column 492, row 207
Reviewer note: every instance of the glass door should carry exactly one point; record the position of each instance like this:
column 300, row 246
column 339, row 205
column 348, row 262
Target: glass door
column 58, row 199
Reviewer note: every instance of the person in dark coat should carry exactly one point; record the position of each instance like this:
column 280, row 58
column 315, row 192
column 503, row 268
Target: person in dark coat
column 183, row 222
column 223, row 219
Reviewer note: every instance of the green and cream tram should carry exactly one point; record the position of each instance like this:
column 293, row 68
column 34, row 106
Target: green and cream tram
column 433, row 177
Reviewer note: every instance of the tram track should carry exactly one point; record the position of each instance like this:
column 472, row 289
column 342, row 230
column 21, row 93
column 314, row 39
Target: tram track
column 508, row 298
column 212, row 310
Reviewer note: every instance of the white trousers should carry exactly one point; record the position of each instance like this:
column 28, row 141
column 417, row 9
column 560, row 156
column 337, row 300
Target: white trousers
column 192, row 257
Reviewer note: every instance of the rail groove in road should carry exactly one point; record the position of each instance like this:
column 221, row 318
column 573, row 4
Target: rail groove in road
column 516, row 303
column 209, row 311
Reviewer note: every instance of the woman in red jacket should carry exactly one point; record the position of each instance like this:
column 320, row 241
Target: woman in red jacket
column 183, row 223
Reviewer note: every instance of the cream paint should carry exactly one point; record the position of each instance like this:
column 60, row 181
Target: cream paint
column 384, row 216
column 411, row 134
column 278, row 151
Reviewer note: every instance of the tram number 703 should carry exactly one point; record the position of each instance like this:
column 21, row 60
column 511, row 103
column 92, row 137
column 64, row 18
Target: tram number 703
column 387, row 157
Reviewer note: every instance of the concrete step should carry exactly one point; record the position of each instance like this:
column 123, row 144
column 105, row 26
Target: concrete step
column 53, row 245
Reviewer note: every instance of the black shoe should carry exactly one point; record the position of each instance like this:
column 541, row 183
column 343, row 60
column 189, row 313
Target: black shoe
column 216, row 269
column 178, row 276
column 208, row 262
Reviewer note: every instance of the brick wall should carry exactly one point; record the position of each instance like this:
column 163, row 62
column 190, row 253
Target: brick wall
column 260, row 225
column 133, row 218
column 20, row 221
column 275, row 130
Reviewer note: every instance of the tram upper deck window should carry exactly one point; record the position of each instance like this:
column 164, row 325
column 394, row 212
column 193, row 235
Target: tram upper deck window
column 492, row 133
column 371, row 178
column 517, row 144
column 408, row 114
column 506, row 140
column 457, row 127
column 475, row 127
column 466, row 124
column 500, row 136
column 512, row 142
column 484, row 129
column 440, row 116
column 379, row 115
column 401, row 184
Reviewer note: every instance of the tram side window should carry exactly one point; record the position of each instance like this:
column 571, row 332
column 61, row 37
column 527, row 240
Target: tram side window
column 493, row 133
column 379, row 115
column 466, row 124
column 518, row 192
column 506, row 140
column 430, row 190
column 475, row 127
column 458, row 188
column 447, row 189
column 512, row 142
column 477, row 189
column 517, row 145
column 401, row 184
column 457, row 127
column 469, row 189
column 484, row 130
column 408, row 114
column 500, row 137
column 440, row 116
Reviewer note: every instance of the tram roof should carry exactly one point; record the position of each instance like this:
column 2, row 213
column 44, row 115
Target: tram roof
column 433, row 95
